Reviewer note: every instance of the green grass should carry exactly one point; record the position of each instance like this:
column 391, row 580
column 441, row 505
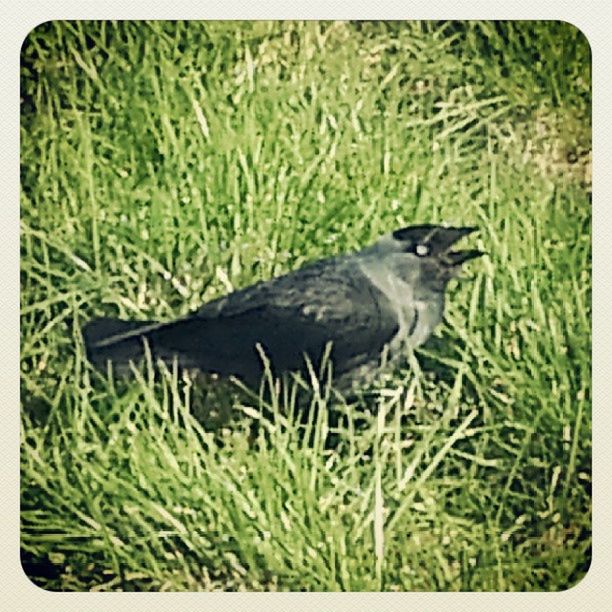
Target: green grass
column 166, row 163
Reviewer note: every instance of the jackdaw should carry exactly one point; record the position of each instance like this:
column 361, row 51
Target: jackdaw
column 362, row 306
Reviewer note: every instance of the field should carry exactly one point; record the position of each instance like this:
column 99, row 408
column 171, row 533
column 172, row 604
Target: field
column 166, row 163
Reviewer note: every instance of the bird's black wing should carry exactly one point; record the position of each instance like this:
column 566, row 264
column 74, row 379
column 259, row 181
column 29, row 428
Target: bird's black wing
column 288, row 317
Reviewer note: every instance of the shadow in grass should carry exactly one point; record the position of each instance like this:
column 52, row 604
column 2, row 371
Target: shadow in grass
column 80, row 572
column 432, row 359
column 75, row 572
column 40, row 570
column 36, row 408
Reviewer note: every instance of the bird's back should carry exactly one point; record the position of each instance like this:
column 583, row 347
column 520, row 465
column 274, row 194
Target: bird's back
column 330, row 301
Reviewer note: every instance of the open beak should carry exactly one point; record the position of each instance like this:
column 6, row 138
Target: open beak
column 456, row 258
column 448, row 238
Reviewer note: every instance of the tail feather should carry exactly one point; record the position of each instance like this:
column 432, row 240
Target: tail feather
column 122, row 342
column 114, row 340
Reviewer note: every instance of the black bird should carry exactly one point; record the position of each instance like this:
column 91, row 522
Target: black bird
column 366, row 304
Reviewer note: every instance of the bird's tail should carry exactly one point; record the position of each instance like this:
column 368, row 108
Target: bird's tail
column 117, row 341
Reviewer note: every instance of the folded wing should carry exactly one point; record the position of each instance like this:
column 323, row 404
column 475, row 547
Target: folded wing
column 289, row 317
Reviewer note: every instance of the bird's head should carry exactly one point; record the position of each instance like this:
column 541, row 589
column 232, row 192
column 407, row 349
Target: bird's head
column 435, row 241
column 432, row 244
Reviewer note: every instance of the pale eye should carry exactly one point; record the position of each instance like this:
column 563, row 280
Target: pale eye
column 421, row 250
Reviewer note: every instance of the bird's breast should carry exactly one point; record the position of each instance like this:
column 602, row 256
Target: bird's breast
column 427, row 316
column 418, row 312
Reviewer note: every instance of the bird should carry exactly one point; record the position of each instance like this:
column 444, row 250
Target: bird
column 364, row 307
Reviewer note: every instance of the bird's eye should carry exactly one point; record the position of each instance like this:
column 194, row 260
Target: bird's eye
column 421, row 250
